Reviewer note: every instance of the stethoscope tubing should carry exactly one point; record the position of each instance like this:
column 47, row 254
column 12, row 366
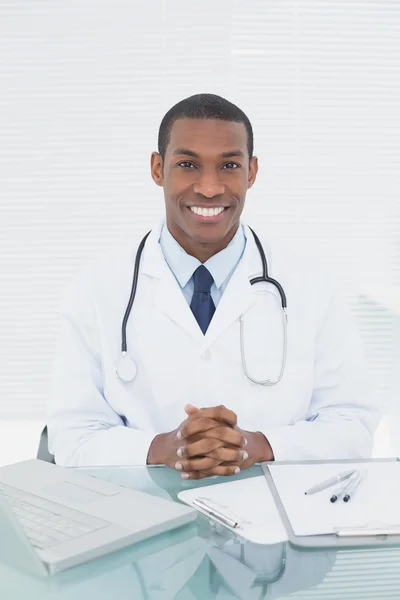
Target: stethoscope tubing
column 264, row 278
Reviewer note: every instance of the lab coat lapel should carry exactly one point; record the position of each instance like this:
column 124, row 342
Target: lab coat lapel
column 168, row 297
column 238, row 295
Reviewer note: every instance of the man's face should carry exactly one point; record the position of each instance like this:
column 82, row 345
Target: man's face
column 206, row 167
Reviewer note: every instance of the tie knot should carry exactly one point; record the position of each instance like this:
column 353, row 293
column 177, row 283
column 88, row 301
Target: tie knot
column 203, row 280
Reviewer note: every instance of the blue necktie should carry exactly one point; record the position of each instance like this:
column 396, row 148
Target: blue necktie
column 202, row 304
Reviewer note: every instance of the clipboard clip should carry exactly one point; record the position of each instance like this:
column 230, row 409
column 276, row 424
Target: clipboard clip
column 218, row 511
column 375, row 528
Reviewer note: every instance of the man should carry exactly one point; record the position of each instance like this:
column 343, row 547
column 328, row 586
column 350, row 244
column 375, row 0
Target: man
column 194, row 317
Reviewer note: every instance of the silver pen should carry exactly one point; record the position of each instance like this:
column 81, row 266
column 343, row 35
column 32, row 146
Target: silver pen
column 210, row 509
column 331, row 481
column 350, row 490
column 343, row 488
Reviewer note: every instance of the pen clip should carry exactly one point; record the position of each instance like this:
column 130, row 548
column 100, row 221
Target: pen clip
column 227, row 510
column 213, row 508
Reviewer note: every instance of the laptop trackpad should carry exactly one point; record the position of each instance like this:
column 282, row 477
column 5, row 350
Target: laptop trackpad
column 71, row 492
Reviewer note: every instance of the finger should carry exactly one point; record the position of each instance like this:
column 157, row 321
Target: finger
column 219, row 413
column 195, row 475
column 203, row 463
column 190, row 409
column 227, row 435
column 228, row 455
column 195, row 425
column 221, row 470
column 199, row 448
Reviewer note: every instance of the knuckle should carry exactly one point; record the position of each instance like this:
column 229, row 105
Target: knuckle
column 193, row 426
column 238, row 438
column 220, row 431
column 189, row 451
column 210, row 444
column 216, row 454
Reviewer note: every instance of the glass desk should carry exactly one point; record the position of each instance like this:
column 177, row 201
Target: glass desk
column 205, row 561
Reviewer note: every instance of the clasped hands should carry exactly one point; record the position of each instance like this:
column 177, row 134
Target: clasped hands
column 209, row 442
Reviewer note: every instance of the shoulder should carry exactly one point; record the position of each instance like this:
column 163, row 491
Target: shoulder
column 297, row 266
column 294, row 259
column 109, row 270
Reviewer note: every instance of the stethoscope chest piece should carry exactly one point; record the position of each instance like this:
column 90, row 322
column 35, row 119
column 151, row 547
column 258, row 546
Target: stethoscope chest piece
column 126, row 368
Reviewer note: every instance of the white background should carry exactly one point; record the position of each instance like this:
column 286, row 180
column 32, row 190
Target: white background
column 83, row 88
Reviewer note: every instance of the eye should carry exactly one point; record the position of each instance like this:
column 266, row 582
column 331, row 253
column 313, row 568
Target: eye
column 185, row 163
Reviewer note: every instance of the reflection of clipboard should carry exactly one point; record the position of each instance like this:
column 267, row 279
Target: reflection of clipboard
column 378, row 530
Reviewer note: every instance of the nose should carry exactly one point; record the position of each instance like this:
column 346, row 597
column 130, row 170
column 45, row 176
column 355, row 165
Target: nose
column 208, row 185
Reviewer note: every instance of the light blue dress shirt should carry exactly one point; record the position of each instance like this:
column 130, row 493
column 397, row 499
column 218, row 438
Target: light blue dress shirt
column 221, row 265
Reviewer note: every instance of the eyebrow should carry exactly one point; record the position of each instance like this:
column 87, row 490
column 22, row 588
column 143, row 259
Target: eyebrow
column 188, row 152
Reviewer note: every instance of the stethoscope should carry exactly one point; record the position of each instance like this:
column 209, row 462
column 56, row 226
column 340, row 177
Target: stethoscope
column 126, row 368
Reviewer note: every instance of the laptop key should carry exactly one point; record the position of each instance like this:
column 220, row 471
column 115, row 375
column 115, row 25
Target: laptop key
column 48, row 523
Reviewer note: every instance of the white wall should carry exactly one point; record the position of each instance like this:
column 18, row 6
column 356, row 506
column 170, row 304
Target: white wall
column 84, row 85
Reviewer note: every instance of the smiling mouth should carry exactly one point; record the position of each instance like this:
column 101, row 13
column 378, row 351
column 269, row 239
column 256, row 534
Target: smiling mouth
column 207, row 214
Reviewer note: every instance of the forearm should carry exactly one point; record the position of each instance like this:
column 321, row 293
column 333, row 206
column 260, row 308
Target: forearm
column 115, row 445
column 346, row 436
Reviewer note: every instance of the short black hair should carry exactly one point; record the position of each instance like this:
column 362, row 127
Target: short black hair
column 203, row 106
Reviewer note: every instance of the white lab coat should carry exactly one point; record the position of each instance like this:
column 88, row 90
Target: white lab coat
column 320, row 409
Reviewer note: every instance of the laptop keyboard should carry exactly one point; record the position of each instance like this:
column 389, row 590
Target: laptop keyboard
column 48, row 523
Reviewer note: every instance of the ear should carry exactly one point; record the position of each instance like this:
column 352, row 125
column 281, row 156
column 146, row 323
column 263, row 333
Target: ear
column 156, row 167
column 253, row 170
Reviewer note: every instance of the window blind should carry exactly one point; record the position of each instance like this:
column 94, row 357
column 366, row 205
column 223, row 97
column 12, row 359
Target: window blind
column 84, row 86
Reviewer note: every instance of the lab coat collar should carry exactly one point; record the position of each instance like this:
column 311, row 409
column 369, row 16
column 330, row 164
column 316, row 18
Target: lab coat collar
column 220, row 265
column 237, row 298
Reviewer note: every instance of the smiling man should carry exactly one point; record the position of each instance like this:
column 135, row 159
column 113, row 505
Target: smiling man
column 211, row 380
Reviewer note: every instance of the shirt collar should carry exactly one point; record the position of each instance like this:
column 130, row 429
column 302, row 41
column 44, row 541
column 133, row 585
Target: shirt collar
column 220, row 265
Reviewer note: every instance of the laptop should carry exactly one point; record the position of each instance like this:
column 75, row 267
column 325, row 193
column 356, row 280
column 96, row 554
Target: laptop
column 53, row 518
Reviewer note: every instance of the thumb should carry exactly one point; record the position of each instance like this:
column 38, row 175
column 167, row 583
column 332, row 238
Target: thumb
column 190, row 409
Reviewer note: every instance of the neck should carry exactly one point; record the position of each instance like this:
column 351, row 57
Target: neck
column 201, row 250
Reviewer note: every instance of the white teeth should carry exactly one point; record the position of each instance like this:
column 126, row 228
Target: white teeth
column 207, row 212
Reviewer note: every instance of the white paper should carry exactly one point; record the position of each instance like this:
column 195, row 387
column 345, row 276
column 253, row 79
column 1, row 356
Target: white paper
column 250, row 499
column 375, row 504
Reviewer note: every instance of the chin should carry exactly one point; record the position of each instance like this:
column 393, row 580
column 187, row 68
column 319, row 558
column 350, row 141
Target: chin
column 212, row 236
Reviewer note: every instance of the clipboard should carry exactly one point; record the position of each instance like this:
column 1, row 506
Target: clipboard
column 245, row 507
column 376, row 534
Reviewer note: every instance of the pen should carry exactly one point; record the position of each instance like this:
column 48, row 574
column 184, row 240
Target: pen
column 343, row 488
column 331, row 481
column 352, row 488
column 215, row 513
